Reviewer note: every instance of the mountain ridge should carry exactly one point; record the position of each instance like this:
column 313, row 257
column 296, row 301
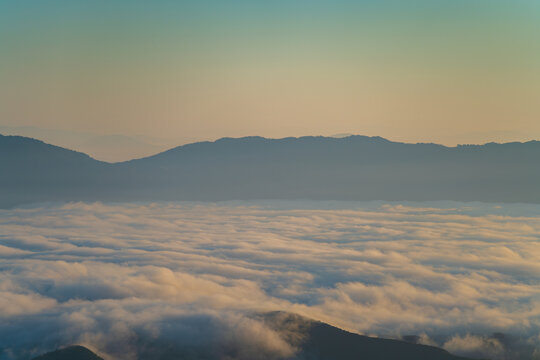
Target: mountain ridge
column 312, row 167
column 227, row 138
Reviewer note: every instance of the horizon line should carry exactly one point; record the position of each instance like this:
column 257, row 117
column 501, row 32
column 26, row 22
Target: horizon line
column 335, row 137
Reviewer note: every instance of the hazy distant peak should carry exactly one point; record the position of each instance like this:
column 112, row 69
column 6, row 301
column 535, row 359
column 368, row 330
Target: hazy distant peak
column 107, row 147
column 12, row 143
column 342, row 135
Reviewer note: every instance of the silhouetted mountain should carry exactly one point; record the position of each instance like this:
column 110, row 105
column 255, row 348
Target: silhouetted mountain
column 70, row 353
column 32, row 171
column 110, row 148
column 322, row 341
column 313, row 340
column 322, row 168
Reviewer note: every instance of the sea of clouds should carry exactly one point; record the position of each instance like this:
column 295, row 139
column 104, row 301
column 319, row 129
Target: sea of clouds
column 132, row 280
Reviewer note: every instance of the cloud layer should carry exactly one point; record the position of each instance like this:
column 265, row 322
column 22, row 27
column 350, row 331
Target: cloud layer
column 129, row 279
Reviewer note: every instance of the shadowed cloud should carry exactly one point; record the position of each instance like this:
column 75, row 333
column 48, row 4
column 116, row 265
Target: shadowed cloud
column 121, row 278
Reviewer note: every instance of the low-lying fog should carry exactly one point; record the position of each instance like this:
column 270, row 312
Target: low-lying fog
column 113, row 277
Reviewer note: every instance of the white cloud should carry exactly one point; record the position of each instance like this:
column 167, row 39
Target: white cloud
column 475, row 346
column 115, row 276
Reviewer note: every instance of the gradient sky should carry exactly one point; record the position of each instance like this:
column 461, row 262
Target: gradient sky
column 449, row 71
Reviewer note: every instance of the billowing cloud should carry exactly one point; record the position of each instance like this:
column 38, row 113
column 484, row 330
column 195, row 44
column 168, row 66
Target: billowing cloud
column 127, row 280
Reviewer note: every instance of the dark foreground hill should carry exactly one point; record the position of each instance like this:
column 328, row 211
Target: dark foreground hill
column 322, row 341
column 70, row 353
column 313, row 340
column 351, row 168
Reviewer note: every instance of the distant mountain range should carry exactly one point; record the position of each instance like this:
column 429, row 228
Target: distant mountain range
column 110, row 148
column 321, row 168
column 321, row 342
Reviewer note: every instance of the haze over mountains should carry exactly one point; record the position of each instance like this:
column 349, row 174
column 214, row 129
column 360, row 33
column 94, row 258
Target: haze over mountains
column 109, row 148
column 321, row 168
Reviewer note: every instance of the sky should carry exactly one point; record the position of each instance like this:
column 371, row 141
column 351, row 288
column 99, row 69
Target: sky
column 446, row 71
column 125, row 278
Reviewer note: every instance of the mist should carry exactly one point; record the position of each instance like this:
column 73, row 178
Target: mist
column 132, row 279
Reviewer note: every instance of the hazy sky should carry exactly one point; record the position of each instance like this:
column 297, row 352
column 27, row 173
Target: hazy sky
column 450, row 71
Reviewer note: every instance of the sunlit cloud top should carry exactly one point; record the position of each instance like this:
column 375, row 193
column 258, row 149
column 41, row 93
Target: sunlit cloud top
column 117, row 276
